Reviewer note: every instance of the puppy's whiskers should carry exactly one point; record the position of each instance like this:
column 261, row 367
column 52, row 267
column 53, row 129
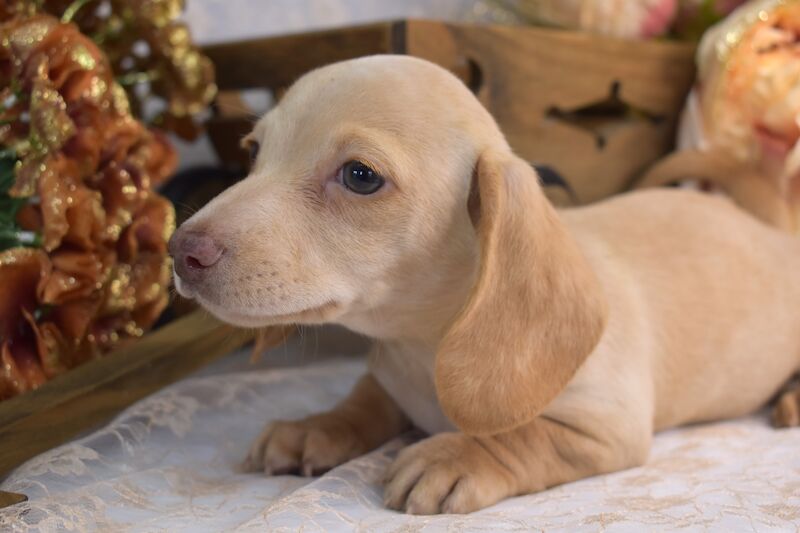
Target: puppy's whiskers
column 190, row 209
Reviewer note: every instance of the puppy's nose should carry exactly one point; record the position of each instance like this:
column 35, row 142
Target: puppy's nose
column 193, row 253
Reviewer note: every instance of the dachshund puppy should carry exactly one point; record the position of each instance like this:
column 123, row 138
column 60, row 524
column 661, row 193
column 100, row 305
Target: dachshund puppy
column 534, row 346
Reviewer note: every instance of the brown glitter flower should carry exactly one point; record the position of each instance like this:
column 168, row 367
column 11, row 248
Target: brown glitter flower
column 146, row 46
column 21, row 272
column 82, row 184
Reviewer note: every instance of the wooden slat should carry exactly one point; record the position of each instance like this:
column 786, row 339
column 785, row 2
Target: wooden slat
column 91, row 394
column 11, row 498
column 278, row 61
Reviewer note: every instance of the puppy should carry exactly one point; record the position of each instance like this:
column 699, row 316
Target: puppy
column 535, row 346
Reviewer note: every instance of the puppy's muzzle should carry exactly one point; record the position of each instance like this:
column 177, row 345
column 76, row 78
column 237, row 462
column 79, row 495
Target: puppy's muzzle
column 194, row 254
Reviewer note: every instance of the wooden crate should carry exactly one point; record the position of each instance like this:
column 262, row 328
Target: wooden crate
column 596, row 109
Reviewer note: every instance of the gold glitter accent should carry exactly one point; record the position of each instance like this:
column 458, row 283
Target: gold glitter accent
column 132, row 329
column 17, row 255
column 120, row 99
column 97, row 89
column 151, row 293
column 49, row 120
column 121, row 294
column 31, row 34
column 178, row 36
column 169, row 225
column 113, row 231
column 28, row 171
column 83, row 57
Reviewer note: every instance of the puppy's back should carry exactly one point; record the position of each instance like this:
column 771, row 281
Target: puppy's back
column 720, row 291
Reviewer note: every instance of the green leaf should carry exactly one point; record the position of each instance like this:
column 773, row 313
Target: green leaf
column 43, row 311
column 9, row 207
column 15, row 238
column 11, row 235
column 7, row 173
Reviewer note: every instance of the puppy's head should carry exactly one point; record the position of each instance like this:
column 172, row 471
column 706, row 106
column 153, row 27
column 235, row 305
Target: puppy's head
column 356, row 179
column 381, row 190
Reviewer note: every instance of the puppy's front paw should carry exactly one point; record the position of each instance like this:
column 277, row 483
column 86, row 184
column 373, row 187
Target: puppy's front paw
column 308, row 447
column 447, row 473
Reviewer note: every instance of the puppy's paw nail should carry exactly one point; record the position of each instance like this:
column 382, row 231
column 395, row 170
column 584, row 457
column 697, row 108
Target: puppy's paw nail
column 389, row 504
column 388, row 476
column 447, row 508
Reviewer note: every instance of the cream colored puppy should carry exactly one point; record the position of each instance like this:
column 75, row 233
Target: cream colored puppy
column 535, row 346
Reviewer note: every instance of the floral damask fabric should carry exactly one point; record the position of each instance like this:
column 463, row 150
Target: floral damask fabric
column 169, row 463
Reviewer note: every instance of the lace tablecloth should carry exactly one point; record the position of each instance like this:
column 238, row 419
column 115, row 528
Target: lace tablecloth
column 169, row 464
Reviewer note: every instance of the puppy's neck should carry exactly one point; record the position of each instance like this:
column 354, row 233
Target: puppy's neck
column 420, row 304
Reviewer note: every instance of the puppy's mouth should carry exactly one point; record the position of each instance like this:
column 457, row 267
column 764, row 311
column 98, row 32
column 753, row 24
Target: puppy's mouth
column 182, row 289
column 311, row 315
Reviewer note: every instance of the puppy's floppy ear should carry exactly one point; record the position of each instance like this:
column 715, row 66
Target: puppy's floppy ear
column 535, row 313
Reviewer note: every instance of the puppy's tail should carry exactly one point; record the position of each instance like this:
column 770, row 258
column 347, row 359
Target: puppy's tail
column 743, row 184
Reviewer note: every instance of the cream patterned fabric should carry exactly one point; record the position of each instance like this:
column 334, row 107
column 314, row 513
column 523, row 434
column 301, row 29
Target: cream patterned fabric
column 169, row 464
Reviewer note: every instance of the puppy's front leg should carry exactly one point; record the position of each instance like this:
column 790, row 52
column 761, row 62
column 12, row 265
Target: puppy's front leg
column 458, row 473
column 364, row 420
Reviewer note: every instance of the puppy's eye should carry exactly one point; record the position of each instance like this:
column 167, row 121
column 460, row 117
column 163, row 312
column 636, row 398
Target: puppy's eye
column 253, row 147
column 361, row 179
